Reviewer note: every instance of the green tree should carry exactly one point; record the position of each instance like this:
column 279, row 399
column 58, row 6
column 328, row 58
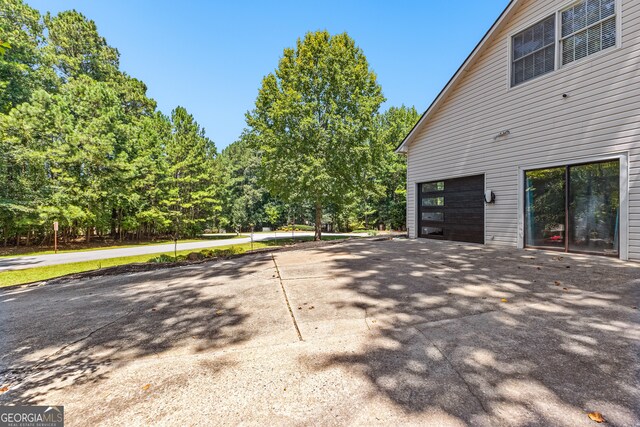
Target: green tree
column 23, row 175
column 273, row 213
column 146, row 181
column 76, row 48
column 4, row 46
column 21, row 72
column 313, row 121
column 388, row 197
column 243, row 196
column 74, row 142
column 190, row 196
column 82, row 143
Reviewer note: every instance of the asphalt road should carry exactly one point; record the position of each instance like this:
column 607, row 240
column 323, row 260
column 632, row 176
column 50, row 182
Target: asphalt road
column 397, row 332
column 22, row 262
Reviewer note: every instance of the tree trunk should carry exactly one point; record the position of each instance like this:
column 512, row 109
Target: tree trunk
column 114, row 216
column 318, row 233
column 120, row 223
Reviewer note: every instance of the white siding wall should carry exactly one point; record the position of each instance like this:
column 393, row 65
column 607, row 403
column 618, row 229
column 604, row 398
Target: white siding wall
column 600, row 116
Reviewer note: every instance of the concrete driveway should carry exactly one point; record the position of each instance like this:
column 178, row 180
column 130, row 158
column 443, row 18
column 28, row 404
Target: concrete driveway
column 352, row 333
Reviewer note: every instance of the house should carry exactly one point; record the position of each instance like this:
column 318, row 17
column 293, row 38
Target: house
column 535, row 141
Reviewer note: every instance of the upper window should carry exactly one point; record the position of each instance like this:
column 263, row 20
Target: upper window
column 533, row 51
column 588, row 27
column 585, row 28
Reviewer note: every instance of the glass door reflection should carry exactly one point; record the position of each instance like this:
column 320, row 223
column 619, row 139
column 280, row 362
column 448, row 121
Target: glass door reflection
column 545, row 207
column 594, row 200
column 574, row 208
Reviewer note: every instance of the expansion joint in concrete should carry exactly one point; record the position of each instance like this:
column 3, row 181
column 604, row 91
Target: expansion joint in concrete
column 286, row 299
column 464, row 381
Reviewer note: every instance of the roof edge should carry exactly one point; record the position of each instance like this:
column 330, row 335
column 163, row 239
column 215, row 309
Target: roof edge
column 402, row 148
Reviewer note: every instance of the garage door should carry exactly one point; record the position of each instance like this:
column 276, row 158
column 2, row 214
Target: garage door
column 452, row 209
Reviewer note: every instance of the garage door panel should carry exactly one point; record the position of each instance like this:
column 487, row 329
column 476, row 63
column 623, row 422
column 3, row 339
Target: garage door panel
column 473, row 203
column 467, row 184
column 450, row 219
column 466, row 227
column 453, row 209
column 465, row 219
column 460, row 236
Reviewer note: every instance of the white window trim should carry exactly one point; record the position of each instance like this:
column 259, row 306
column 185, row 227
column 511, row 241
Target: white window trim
column 558, row 36
column 555, row 47
column 529, row 24
column 623, row 231
column 560, row 39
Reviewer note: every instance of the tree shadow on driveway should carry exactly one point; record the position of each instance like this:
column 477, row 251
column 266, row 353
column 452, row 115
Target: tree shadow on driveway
column 496, row 336
column 75, row 332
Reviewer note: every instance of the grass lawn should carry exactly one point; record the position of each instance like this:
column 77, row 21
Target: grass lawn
column 13, row 252
column 35, row 274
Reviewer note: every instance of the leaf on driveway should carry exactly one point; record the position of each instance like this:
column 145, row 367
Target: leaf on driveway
column 146, row 387
column 596, row 416
column 4, row 389
column 504, row 300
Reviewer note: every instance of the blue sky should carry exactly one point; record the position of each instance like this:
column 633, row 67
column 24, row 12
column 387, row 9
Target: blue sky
column 210, row 56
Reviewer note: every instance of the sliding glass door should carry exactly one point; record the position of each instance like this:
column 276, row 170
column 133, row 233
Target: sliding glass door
column 573, row 208
column 594, row 200
column 545, row 205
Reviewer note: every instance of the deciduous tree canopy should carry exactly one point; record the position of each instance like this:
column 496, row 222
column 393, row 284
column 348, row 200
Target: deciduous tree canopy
column 314, row 120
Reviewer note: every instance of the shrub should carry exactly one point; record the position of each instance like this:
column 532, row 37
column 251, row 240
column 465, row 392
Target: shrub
column 369, row 232
column 162, row 258
column 213, row 253
column 298, row 227
column 208, row 253
column 194, row 256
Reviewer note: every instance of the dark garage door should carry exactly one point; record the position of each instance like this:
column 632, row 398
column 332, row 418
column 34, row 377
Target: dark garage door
column 452, row 209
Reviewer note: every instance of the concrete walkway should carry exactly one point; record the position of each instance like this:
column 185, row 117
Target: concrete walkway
column 354, row 333
column 29, row 261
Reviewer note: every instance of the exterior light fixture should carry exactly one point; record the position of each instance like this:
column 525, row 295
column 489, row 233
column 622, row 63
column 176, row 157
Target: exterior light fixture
column 502, row 134
column 489, row 197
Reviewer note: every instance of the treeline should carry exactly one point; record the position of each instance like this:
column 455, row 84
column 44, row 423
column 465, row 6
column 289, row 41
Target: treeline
column 81, row 143
column 380, row 204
